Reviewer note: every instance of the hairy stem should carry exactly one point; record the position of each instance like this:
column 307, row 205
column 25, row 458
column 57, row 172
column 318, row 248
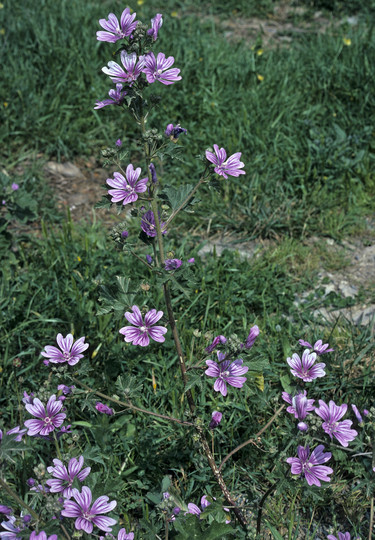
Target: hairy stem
column 252, row 440
column 130, row 405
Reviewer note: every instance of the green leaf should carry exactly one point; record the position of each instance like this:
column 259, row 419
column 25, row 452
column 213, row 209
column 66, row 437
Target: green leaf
column 175, row 197
column 276, row 534
column 194, row 380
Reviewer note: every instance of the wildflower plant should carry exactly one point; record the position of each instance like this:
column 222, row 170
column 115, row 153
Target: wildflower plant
column 68, row 497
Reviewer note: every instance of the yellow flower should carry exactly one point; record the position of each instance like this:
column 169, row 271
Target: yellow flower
column 334, row 114
column 174, row 14
column 260, row 52
column 79, row 259
column 347, row 41
column 1, row 5
column 260, row 77
column 2, row 31
column 5, row 104
column 140, row 2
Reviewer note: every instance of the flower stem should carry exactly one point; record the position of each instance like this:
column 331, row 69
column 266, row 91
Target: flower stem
column 130, row 405
column 57, row 446
column 253, row 439
column 14, row 495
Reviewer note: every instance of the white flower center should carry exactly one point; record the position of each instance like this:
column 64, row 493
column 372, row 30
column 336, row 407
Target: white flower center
column 143, row 329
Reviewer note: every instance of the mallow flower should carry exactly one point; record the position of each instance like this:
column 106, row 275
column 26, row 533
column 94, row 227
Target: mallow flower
column 132, row 71
column 88, row 515
column 116, row 97
column 223, row 166
column 331, row 415
column 126, row 188
column 116, row 30
column 318, row 346
column 304, row 367
column 48, row 418
column 226, row 372
column 341, row 536
column 310, row 466
column 157, row 69
column 70, row 352
column 42, row 536
column 63, row 476
column 143, row 330
column 156, row 24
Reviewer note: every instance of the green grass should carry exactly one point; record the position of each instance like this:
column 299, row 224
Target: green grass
column 305, row 131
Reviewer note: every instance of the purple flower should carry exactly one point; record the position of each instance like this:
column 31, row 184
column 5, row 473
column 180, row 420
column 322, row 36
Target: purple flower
column 66, row 390
column 30, row 482
column 27, row 398
column 191, row 260
column 86, row 516
column 296, row 402
column 116, row 97
column 123, row 535
column 115, row 29
column 304, row 369
column 154, row 178
column 357, row 413
column 166, row 495
column 215, row 343
column 103, row 408
column 64, row 476
column 12, row 528
column 42, row 536
column 331, row 415
column 174, row 132
column 250, row 340
column 141, row 332
column 15, row 186
column 70, row 352
column 216, row 419
column 6, row 510
column 224, row 166
column 194, row 509
column 149, row 259
column 119, row 142
column 49, row 417
column 148, row 224
column 318, row 347
column 341, row 536
column 311, row 466
column 127, row 189
column 19, row 433
column 226, row 372
column 156, row 24
column 124, row 234
column 132, row 68
column 156, row 69
column 172, row 264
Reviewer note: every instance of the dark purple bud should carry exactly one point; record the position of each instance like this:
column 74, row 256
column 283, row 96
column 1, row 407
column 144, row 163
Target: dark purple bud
column 254, row 333
column 174, row 132
column 31, row 482
column 366, row 412
column 5, row 510
column 119, row 142
column 216, row 341
column 26, row 518
column 103, row 408
column 302, row 426
column 357, row 413
column 154, row 178
column 216, row 419
column 191, row 261
column 124, row 234
column 149, row 259
column 176, row 510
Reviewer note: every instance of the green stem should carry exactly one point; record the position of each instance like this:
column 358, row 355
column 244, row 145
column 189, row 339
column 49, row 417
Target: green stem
column 14, row 496
column 57, row 446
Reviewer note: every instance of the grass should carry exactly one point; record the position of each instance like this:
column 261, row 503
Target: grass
column 306, row 133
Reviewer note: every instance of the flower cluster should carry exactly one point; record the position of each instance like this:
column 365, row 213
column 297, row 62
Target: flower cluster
column 310, row 466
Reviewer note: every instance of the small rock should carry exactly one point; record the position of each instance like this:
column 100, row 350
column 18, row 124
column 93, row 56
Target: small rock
column 65, row 169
